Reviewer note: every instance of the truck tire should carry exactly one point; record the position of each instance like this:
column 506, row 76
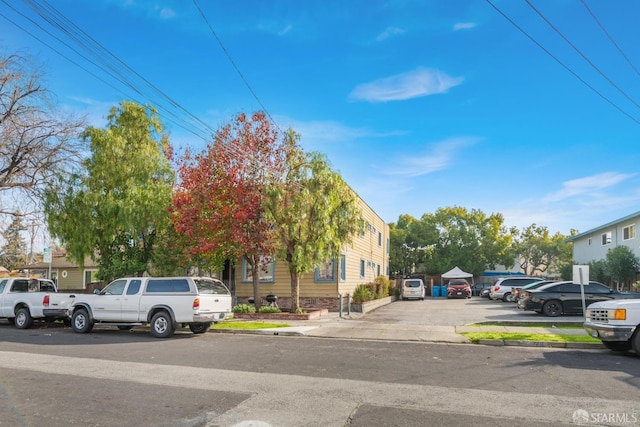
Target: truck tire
column 162, row 325
column 617, row 345
column 199, row 328
column 635, row 341
column 81, row 322
column 552, row 308
column 23, row 319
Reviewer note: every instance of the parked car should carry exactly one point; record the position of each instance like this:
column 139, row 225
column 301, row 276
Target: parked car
column 477, row 288
column 485, row 293
column 503, row 287
column 558, row 298
column 458, row 288
column 516, row 292
column 413, row 288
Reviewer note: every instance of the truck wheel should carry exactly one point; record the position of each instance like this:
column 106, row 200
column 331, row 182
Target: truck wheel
column 80, row 321
column 617, row 345
column 506, row 297
column 23, row 318
column 162, row 325
column 552, row 308
column 199, row 328
column 635, row 341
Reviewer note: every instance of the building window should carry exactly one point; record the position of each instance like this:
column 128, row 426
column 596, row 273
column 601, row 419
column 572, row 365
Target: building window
column 388, row 244
column 379, row 238
column 377, row 275
column 266, row 268
column 326, row 272
column 361, row 268
column 343, row 267
column 90, row 276
column 589, row 241
column 629, row 232
column 606, row 238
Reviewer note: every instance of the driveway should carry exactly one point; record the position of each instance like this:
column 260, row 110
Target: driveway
column 458, row 312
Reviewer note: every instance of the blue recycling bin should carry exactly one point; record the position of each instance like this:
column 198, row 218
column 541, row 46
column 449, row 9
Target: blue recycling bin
column 435, row 291
column 443, row 291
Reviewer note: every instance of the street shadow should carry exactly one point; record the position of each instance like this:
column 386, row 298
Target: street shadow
column 594, row 360
column 57, row 334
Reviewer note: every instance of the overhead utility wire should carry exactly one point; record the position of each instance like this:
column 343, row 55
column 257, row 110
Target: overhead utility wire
column 561, row 63
column 544, row 18
column 195, row 2
column 73, row 61
column 55, row 18
column 178, row 122
column 610, row 37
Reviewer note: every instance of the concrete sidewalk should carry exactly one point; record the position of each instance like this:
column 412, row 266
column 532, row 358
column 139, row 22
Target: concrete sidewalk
column 355, row 326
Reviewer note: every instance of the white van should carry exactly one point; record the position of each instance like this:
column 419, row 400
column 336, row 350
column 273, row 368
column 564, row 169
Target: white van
column 413, row 288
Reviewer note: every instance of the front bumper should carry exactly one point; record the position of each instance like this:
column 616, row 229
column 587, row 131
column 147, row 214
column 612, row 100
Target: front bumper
column 607, row 332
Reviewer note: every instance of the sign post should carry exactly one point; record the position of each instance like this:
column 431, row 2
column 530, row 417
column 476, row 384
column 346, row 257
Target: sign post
column 580, row 277
column 46, row 257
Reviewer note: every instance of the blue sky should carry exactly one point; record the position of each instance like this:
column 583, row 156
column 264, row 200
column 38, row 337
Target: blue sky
column 418, row 104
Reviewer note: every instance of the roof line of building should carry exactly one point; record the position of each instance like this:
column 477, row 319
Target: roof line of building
column 602, row 227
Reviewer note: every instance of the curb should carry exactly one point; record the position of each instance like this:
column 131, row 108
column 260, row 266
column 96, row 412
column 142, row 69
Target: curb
column 547, row 344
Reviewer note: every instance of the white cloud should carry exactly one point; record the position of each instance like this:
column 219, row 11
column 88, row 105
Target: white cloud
column 285, row 30
column 412, row 84
column 589, row 184
column 463, row 26
column 167, row 13
column 388, row 32
column 440, row 157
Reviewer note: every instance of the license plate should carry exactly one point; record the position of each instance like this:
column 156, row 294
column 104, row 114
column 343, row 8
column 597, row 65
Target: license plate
column 459, row 293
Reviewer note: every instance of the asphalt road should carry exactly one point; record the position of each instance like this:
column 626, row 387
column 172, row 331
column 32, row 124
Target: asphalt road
column 53, row 377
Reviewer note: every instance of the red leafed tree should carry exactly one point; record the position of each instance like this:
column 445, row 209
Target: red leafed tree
column 217, row 205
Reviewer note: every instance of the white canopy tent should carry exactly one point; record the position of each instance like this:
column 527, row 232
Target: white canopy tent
column 456, row 273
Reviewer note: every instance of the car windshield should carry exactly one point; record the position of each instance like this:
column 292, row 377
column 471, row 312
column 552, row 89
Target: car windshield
column 211, row 286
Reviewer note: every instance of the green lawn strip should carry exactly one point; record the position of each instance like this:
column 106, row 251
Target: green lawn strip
column 518, row 336
column 531, row 325
column 248, row 325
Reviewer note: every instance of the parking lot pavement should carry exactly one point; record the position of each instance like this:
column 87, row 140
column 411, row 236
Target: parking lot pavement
column 433, row 320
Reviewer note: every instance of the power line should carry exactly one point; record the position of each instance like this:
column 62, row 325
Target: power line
column 544, row 18
column 228, row 55
column 614, row 105
column 610, row 37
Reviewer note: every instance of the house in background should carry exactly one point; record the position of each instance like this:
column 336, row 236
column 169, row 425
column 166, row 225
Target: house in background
column 66, row 273
column 594, row 244
column 366, row 258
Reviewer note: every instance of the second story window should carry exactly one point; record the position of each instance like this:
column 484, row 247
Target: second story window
column 629, row 232
column 606, row 238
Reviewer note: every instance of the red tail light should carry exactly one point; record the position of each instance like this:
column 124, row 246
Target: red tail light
column 45, row 301
column 196, row 303
column 496, row 289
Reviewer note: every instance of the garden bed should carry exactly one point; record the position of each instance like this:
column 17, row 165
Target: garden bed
column 310, row 314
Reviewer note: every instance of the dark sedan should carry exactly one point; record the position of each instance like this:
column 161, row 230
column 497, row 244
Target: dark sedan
column 555, row 299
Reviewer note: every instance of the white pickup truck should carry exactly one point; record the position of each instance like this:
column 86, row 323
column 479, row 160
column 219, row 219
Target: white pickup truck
column 162, row 302
column 616, row 323
column 23, row 300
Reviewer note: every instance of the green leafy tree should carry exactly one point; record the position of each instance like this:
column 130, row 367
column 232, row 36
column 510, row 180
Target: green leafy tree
column 622, row 266
column 13, row 253
column 218, row 205
column 597, row 271
column 470, row 240
column 113, row 208
column 540, row 252
column 314, row 213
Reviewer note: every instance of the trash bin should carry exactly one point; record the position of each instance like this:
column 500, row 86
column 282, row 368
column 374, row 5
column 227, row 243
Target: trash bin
column 435, row 291
column 443, row 291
